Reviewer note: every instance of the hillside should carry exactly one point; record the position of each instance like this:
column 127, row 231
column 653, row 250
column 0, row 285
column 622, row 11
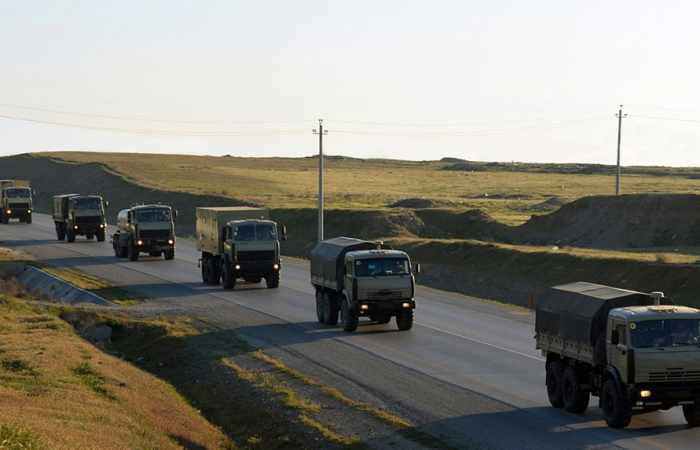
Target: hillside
column 510, row 193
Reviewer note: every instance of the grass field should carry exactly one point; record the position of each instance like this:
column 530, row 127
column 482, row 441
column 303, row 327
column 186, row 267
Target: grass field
column 509, row 196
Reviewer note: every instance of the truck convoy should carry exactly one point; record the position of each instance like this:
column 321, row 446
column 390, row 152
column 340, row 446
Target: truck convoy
column 633, row 352
column 145, row 229
column 79, row 215
column 359, row 279
column 15, row 201
column 238, row 242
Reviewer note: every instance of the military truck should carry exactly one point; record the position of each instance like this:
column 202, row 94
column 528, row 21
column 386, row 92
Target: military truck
column 79, row 215
column 145, row 229
column 238, row 242
column 358, row 278
column 15, row 201
column 637, row 352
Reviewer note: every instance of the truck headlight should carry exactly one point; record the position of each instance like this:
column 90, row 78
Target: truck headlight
column 29, row 211
column 75, row 227
column 102, row 225
column 237, row 267
column 276, row 266
column 139, row 242
column 9, row 211
column 364, row 307
column 405, row 305
column 170, row 242
column 645, row 394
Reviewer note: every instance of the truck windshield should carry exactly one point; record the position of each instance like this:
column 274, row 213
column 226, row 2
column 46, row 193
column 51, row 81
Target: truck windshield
column 381, row 267
column 18, row 193
column 665, row 333
column 86, row 203
column 256, row 232
column 153, row 215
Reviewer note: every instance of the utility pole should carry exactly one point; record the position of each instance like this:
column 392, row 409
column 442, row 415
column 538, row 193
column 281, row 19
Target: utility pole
column 320, row 132
column 619, row 116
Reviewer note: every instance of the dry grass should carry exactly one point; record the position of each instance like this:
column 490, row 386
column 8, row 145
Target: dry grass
column 291, row 182
column 93, row 284
column 60, row 392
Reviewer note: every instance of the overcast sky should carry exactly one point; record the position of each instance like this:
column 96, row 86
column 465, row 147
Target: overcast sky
column 484, row 80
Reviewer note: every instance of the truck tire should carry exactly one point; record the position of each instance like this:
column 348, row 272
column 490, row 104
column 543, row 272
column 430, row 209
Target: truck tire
column 204, row 264
column 115, row 246
column 60, row 232
column 331, row 309
column 692, row 414
column 555, row 375
column 100, row 236
column 349, row 316
column 319, row 307
column 616, row 408
column 70, row 235
column 404, row 320
column 273, row 280
column 169, row 254
column 215, row 271
column 29, row 219
column 575, row 399
column 229, row 279
column 132, row 252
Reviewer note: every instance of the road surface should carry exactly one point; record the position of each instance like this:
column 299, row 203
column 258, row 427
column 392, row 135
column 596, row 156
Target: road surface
column 467, row 372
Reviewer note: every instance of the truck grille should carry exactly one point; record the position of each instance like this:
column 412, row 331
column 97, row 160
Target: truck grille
column 675, row 375
column 384, row 295
column 265, row 255
column 19, row 206
column 160, row 235
column 88, row 220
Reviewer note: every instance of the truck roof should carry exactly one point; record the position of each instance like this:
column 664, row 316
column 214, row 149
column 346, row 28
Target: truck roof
column 230, row 208
column 656, row 312
column 252, row 220
column 367, row 254
column 65, row 195
column 149, row 206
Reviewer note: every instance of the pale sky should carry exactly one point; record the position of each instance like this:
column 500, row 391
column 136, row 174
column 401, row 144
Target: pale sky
column 482, row 80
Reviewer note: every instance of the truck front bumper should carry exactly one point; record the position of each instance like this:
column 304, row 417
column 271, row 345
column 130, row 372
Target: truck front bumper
column 384, row 307
column 154, row 245
column 17, row 212
column 647, row 397
column 91, row 228
column 255, row 267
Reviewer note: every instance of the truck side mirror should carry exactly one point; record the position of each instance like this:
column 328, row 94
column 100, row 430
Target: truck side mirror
column 284, row 232
column 615, row 337
column 417, row 269
column 107, row 203
column 174, row 214
column 33, row 192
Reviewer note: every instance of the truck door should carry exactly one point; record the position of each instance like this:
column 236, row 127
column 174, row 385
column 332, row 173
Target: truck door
column 618, row 347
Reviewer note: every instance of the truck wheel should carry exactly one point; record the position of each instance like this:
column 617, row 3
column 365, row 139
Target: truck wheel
column 404, row 320
column 169, row 254
column 616, row 408
column 381, row 318
column 228, row 278
column 555, row 375
column 29, row 219
column 331, row 309
column 349, row 315
column 132, row 252
column 692, row 414
column 205, row 270
column 100, row 236
column 273, row 280
column 215, row 271
column 70, row 235
column 60, row 232
column 575, row 399
column 319, row 307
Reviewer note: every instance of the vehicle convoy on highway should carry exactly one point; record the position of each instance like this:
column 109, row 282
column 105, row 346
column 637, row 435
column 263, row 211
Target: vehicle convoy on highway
column 358, row 278
column 15, row 201
column 145, row 229
column 79, row 215
column 238, row 242
column 633, row 352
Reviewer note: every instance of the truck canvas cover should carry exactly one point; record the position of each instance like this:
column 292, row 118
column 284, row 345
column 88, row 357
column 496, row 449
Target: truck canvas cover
column 328, row 258
column 579, row 311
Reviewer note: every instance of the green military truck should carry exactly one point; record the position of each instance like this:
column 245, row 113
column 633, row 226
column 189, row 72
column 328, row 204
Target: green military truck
column 238, row 242
column 145, row 229
column 633, row 352
column 360, row 279
column 79, row 215
column 15, row 201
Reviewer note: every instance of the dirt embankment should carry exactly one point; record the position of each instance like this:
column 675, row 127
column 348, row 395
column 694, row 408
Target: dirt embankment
column 50, row 177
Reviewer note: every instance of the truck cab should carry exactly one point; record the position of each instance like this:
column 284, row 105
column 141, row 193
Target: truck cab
column 15, row 202
column 145, row 229
column 254, row 250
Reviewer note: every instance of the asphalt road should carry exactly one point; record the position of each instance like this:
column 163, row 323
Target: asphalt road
column 467, row 372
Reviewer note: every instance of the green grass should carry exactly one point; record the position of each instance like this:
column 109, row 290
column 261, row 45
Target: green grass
column 16, row 438
column 509, row 196
column 92, row 379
